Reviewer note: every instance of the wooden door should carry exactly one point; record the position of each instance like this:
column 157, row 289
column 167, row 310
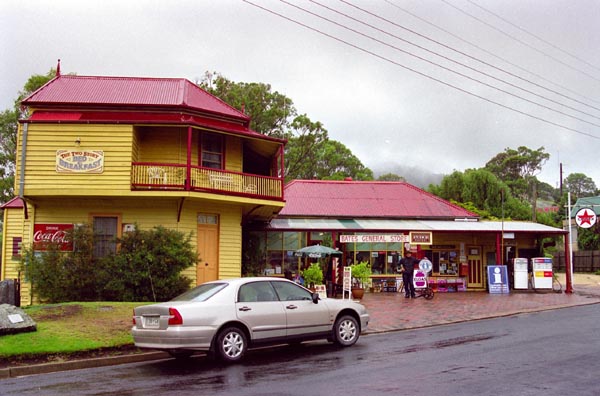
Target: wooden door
column 207, row 268
column 474, row 258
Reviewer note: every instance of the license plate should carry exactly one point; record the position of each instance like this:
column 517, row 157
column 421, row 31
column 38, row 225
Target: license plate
column 152, row 322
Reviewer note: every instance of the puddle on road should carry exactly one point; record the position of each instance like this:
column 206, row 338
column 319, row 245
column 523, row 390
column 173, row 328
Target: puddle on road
column 449, row 342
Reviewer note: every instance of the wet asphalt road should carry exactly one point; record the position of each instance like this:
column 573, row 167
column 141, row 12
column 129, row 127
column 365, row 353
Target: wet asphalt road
column 544, row 353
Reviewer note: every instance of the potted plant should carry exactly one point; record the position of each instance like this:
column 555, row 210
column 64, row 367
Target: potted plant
column 313, row 275
column 361, row 275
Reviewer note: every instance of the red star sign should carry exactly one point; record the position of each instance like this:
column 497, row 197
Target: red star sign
column 585, row 218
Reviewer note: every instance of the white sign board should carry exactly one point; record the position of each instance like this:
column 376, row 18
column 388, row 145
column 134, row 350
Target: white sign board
column 389, row 238
column 347, row 282
column 15, row 318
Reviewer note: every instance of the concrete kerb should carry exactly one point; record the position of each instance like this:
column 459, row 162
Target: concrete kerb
column 20, row 371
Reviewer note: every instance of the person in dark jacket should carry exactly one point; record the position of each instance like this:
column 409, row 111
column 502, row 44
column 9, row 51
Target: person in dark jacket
column 407, row 267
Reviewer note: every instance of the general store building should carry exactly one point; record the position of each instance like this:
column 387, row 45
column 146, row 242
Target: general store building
column 378, row 222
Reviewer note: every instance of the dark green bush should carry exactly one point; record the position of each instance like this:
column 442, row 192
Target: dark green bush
column 147, row 267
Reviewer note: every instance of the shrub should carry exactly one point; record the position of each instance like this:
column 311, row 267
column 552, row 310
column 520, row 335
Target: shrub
column 313, row 275
column 147, row 267
column 58, row 276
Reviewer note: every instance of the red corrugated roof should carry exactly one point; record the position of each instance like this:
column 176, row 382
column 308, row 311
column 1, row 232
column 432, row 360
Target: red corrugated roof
column 359, row 199
column 16, row 202
column 93, row 91
column 109, row 117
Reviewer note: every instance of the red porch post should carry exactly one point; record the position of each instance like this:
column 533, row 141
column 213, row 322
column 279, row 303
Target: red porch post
column 188, row 171
column 499, row 249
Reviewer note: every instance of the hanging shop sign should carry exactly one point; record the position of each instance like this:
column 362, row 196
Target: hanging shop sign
column 79, row 161
column 421, row 238
column 373, row 238
column 585, row 218
column 45, row 234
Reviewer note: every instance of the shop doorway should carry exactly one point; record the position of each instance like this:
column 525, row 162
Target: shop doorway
column 207, row 268
column 475, row 272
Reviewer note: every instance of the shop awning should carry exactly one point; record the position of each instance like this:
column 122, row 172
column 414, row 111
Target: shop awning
column 390, row 225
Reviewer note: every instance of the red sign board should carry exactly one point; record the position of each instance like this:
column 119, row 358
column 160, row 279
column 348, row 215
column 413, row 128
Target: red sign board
column 44, row 234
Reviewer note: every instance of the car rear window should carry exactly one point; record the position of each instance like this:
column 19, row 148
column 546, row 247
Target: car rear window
column 201, row 293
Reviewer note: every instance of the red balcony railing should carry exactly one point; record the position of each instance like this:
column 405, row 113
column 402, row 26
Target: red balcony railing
column 154, row 176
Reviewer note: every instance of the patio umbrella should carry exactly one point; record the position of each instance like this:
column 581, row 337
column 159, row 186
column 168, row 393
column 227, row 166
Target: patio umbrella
column 316, row 251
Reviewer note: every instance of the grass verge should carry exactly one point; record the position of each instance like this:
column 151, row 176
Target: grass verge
column 71, row 328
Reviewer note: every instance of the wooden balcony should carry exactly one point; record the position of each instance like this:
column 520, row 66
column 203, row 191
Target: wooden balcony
column 169, row 177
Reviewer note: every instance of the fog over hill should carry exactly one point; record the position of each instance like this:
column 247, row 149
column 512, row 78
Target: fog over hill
column 414, row 175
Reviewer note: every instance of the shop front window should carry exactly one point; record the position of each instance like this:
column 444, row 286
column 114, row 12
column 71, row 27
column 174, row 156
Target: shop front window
column 292, row 241
column 383, row 256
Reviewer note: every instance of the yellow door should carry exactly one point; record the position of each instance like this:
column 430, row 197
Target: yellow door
column 475, row 273
column 207, row 268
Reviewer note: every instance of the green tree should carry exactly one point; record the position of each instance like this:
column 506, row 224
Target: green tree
column 580, row 185
column 303, row 149
column 8, row 134
column 481, row 192
column 328, row 160
column 269, row 111
column 518, row 168
column 309, row 153
column 589, row 238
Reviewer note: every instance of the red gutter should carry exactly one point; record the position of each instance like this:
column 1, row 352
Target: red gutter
column 137, row 117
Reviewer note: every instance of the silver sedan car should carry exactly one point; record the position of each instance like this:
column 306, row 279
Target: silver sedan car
column 226, row 317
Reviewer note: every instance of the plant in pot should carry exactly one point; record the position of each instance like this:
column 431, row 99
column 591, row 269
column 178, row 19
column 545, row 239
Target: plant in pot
column 361, row 275
column 313, row 275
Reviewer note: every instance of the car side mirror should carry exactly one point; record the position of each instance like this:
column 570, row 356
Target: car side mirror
column 315, row 298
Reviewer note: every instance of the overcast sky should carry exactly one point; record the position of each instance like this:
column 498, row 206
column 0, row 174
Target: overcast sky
column 366, row 85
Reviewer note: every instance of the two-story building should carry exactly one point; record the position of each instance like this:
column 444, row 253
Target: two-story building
column 123, row 152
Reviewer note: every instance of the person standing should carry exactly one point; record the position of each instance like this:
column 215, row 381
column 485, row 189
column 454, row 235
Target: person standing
column 407, row 266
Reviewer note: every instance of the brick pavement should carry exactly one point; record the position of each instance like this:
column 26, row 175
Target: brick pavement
column 391, row 311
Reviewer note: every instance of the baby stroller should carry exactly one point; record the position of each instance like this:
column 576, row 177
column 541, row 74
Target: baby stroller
column 422, row 288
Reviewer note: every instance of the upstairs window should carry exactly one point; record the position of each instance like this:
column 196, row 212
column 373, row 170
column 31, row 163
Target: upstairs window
column 212, row 151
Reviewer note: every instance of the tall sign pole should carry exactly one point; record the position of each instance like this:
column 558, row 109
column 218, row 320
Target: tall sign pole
column 570, row 271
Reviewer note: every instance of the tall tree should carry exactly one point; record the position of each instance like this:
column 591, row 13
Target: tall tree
column 8, row 134
column 269, row 111
column 580, row 185
column 482, row 192
column 518, row 169
column 309, row 153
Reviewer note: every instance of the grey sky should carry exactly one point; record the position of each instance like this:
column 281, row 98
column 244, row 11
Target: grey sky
column 366, row 97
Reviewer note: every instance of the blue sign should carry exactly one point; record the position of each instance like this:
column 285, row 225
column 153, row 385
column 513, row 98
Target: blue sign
column 497, row 279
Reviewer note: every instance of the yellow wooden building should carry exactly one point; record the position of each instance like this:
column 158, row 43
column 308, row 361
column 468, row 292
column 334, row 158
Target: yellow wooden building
column 123, row 152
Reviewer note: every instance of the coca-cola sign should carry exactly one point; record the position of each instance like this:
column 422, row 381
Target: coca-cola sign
column 44, row 234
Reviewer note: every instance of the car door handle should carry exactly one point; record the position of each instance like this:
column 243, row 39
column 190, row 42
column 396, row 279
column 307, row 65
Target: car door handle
column 292, row 307
column 245, row 309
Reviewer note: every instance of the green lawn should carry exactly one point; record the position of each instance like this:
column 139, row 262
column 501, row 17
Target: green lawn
column 72, row 327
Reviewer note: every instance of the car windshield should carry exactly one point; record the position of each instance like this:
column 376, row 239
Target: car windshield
column 201, row 293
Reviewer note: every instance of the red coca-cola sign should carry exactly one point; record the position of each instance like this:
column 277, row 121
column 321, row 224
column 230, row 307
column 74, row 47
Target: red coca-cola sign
column 44, row 234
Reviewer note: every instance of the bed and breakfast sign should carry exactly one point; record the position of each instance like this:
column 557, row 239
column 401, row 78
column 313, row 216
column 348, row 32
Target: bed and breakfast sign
column 79, row 161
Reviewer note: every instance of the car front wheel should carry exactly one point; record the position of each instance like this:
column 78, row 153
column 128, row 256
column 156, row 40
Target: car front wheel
column 231, row 345
column 346, row 331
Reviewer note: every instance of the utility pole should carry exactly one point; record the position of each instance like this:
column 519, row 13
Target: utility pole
column 561, row 180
